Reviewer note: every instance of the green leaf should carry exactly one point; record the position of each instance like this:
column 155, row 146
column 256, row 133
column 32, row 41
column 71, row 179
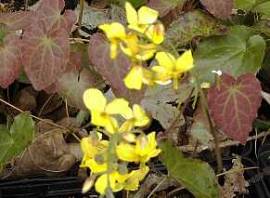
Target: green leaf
column 15, row 140
column 261, row 6
column 244, row 4
column 195, row 175
column 237, row 53
column 190, row 25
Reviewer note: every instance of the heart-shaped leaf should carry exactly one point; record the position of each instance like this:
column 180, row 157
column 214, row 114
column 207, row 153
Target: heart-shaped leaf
column 10, row 53
column 45, row 55
column 195, row 175
column 219, row 8
column 15, row 140
column 16, row 20
column 233, row 104
column 237, row 53
column 49, row 12
column 113, row 71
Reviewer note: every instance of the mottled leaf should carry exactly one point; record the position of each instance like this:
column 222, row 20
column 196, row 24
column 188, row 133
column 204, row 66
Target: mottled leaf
column 195, row 175
column 49, row 12
column 16, row 20
column 165, row 6
column 219, row 8
column 233, row 104
column 45, row 55
column 113, row 71
column 10, row 53
column 72, row 85
column 158, row 101
column 188, row 26
column 237, row 53
column 15, row 140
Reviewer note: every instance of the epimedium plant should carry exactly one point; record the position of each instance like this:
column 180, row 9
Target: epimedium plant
column 134, row 57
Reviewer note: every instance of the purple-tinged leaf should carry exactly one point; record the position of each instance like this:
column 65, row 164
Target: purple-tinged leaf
column 16, row 20
column 45, row 55
column 50, row 13
column 219, row 8
column 113, row 71
column 165, row 6
column 233, row 104
column 10, row 54
column 73, row 83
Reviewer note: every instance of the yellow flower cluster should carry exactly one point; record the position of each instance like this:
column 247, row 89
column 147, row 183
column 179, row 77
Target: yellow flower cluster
column 108, row 159
column 140, row 42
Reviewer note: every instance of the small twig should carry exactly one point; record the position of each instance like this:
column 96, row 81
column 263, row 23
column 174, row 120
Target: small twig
column 157, row 186
column 212, row 130
column 44, row 105
column 33, row 116
column 236, row 171
column 190, row 148
column 79, row 40
column 81, row 13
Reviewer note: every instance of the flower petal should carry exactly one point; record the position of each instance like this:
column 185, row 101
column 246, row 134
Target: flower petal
column 114, row 30
column 184, row 62
column 94, row 100
column 102, row 184
column 132, row 17
column 161, row 74
column 155, row 33
column 134, row 78
column 126, row 152
column 119, row 106
column 166, row 60
column 147, row 15
column 140, row 116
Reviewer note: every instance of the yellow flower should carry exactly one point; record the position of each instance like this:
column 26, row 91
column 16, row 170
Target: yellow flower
column 170, row 68
column 113, row 180
column 143, row 22
column 115, row 33
column 101, row 112
column 137, row 118
column 92, row 148
column 132, row 48
column 134, row 178
column 142, row 151
column 137, row 76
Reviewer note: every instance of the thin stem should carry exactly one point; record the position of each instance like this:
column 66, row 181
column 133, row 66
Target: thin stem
column 33, row 116
column 212, row 129
column 81, row 13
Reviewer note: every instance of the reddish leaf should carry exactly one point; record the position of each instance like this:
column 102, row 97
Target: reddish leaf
column 50, row 13
column 45, row 55
column 112, row 71
column 165, row 6
column 10, row 60
column 233, row 104
column 73, row 83
column 16, row 20
column 219, row 8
